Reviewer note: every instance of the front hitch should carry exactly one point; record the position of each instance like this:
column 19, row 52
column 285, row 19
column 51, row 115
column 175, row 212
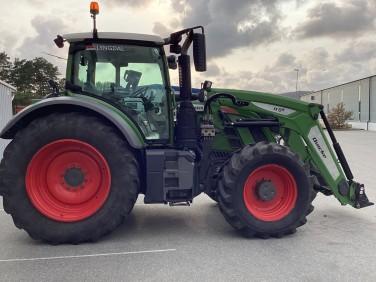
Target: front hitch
column 361, row 199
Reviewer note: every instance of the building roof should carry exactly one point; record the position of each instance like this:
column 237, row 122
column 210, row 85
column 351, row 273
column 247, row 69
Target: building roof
column 296, row 94
column 8, row 85
column 74, row 37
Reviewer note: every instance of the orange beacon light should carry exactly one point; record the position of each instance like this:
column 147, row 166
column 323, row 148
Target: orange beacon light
column 94, row 8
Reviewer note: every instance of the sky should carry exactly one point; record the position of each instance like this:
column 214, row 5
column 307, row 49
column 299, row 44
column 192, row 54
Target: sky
column 260, row 45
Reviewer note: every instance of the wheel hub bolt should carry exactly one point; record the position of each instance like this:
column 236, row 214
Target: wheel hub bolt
column 74, row 177
column 266, row 190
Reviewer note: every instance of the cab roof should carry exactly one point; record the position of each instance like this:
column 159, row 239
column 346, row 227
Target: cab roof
column 76, row 37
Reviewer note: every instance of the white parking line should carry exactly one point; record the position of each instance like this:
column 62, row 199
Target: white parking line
column 87, row 256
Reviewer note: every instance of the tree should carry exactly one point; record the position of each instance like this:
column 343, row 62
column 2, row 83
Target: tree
column 29, row 77
column 22, row 76
column 5, row 67
column 103, row 86
column 21, row 99
column 32, row 76
column 42, row 72
column 61, row 83
column 338, row 116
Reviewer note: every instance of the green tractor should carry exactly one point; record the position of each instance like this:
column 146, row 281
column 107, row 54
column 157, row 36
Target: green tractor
column 79, row 159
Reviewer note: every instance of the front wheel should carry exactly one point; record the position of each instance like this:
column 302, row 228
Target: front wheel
column 265, row 190
column 68, row 178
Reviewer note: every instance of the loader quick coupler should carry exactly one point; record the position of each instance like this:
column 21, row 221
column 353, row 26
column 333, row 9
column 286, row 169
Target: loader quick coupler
column 361, row 199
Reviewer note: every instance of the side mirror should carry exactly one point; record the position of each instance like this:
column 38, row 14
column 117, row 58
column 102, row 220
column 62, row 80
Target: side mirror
column 199, row 52
column 207, row 85
column 59, row 41
column 171, row 60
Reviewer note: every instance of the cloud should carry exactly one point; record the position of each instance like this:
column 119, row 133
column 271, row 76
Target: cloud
column 330, row 19
column 285, row 60
column 277, row 78
column 318, row 69
column 178, row 5
column 213, row 70
column 232, row 24
column 360, row 51
column 8, row 41
column 161, row 29
column 129, row 3
column 318, row 58
column 248, row 41
column 46, row 29
column 31, row 2
column 320, row 66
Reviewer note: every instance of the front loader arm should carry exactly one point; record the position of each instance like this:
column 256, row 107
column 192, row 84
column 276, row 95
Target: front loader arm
column 304, row 135
column 301, row 131
column 327, row 158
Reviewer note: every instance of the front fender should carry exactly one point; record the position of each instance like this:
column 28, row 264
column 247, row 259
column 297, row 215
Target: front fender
column 68, row 104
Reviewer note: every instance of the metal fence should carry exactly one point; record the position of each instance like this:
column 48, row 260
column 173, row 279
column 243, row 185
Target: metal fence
column 357, row 96
column 7, row 93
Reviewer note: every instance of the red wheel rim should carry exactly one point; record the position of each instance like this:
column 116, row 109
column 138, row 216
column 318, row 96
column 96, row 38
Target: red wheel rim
column 270, row 192
column 68, row 180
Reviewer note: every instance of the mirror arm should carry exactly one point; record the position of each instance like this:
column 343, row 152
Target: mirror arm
column 187, row 43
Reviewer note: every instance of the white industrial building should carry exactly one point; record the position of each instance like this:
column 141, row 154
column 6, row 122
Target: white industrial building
column 357, row 96
column 7, row 93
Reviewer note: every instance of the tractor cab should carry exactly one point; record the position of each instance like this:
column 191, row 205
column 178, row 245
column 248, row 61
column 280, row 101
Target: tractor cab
column 116, row 68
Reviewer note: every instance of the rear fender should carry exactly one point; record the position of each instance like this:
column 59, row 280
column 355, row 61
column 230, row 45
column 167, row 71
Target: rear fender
column 68, row 104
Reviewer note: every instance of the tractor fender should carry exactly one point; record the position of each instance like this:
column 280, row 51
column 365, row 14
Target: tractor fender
column 48, row 106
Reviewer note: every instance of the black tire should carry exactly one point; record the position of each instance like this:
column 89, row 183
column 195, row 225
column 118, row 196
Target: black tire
column 213, row 195
column 265, row 190
column 111, row 196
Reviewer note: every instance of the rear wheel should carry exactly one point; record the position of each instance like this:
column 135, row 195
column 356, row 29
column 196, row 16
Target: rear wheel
column 68, row 178
column 265, row 190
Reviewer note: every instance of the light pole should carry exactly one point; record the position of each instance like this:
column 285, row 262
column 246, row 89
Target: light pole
column 297, row 78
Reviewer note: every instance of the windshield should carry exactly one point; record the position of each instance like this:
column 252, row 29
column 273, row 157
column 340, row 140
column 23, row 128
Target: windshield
column 129, row 76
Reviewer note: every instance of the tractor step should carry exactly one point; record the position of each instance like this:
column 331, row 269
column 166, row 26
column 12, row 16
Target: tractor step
column 179, row 204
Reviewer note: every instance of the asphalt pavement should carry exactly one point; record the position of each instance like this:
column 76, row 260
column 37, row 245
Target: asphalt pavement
column 162, row 243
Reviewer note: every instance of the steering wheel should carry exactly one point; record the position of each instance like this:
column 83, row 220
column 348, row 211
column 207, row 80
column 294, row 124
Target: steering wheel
column 140, row 92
